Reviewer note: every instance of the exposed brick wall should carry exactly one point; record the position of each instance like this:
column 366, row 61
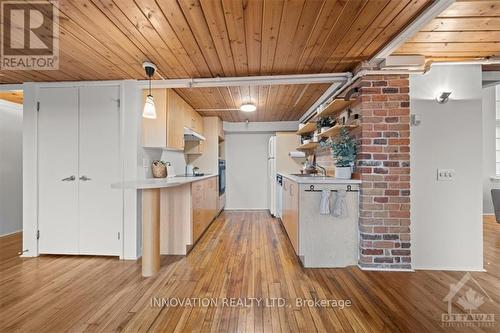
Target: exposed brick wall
column 384, row 165
column 384, row 168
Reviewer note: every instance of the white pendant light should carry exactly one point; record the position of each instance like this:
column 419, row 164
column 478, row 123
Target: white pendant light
column 248, row 107
column 149, row 110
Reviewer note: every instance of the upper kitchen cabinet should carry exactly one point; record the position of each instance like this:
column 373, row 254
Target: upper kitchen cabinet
column 192, row 119
column 220, row 129
column 175, row 121
column 173, row 114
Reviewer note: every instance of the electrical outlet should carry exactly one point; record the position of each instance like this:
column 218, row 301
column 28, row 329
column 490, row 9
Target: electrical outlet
column 445, row 174
column 145, row 163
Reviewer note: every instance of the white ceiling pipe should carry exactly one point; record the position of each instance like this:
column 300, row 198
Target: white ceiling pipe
column 436, row 8
column 328, row 94
column 325, row 98
column 248, row 81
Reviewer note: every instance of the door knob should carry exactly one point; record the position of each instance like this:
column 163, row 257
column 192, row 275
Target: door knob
column 68, row 179
column 85, row 178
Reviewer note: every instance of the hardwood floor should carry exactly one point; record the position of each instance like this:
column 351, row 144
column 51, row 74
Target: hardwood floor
column 10, row 245
column 243, row 254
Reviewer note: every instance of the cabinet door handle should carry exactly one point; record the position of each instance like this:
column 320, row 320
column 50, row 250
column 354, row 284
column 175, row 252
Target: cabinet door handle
column 68, row 179
column 85, row 178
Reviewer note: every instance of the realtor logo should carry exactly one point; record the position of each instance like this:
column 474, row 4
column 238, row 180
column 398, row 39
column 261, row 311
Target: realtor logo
column 30, row 35
column 469, row 295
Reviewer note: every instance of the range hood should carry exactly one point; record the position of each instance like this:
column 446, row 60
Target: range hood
column 190, row 135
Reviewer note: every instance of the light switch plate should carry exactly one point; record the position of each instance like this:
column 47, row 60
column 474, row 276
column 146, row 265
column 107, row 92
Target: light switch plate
column 445, row 174
column 145, row 163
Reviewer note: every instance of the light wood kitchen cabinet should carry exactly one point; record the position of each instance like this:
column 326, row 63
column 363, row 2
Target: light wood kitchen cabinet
column 290, row 213
column 175, row 128
column 204, row 204
column 167, row 130
column 220, row 129
column 192, row 119
column 172, row 115
column 194, row 147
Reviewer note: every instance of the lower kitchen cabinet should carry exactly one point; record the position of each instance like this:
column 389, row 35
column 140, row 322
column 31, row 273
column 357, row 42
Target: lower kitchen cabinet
column 322, row 241
column 204, row 200
column 290, row 215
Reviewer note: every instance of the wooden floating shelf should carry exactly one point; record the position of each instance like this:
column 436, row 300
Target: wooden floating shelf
column 335, row 130
column 308, row 128
column 334, row 107
column 307, row 146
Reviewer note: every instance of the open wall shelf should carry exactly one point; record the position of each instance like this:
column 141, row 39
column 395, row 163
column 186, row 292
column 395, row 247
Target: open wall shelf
column 335, row 130
column 338, row 105
column 308, row 128
column 308, row 146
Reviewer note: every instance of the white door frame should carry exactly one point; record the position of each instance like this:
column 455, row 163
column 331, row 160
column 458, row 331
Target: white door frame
column 30, row 158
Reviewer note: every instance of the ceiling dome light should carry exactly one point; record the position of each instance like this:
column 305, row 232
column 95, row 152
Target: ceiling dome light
column 248, row 107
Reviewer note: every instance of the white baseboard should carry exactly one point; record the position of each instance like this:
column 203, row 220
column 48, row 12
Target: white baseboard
column 382, row 269
column 246, row 209
column 451, row 269
column 11, row 233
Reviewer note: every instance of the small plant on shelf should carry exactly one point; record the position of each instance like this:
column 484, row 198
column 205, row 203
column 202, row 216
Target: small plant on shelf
column 324, row 123
column 344, row 149
column 306, row 138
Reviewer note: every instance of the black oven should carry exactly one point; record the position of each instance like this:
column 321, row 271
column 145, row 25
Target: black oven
column 222, row 177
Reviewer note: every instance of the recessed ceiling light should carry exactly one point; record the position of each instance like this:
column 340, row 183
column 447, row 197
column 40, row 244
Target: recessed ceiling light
column 248, row 107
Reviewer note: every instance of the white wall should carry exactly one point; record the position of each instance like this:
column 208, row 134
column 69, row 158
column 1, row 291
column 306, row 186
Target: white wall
column 246, row 170
column 177, row 160
column 489, row 147
column 11, row 175
column 447, row 216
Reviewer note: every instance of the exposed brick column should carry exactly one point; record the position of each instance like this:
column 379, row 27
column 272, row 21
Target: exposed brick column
column 384, row 167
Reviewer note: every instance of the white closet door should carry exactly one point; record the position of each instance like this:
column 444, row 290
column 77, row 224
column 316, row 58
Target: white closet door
column 58, row 170
column 100, row 205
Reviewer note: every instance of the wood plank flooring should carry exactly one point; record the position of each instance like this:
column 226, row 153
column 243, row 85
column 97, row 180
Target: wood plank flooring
column 243, row 254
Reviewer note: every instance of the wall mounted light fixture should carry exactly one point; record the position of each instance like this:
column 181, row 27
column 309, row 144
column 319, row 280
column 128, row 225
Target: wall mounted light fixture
column 149, row 110
column 444, row 97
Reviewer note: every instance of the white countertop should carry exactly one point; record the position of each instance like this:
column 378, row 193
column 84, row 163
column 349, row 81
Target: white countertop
column 318, row 179
column 158, row 182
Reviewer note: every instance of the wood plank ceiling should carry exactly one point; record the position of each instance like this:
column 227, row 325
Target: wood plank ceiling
column 109, row 39
column 465, row 30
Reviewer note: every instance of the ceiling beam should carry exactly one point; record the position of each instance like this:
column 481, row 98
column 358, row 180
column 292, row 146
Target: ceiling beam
column 248, row 81
column 428, row 14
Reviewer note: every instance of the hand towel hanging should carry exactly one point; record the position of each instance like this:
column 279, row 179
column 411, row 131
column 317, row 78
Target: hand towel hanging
column 340, row 204
column 324, row 207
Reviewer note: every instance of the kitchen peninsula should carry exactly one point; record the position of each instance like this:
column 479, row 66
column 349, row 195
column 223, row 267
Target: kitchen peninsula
column 321, row 240
column 175, row 213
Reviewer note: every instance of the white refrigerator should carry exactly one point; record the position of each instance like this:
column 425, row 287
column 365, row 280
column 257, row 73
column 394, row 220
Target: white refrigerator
column 271, row 173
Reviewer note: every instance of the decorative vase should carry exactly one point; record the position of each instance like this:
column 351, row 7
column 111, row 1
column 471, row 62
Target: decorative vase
column 324, row 129
column 307, row 141
column 343, row 172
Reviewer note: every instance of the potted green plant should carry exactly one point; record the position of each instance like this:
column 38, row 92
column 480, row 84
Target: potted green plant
column 324, row 123
column 344, row 149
